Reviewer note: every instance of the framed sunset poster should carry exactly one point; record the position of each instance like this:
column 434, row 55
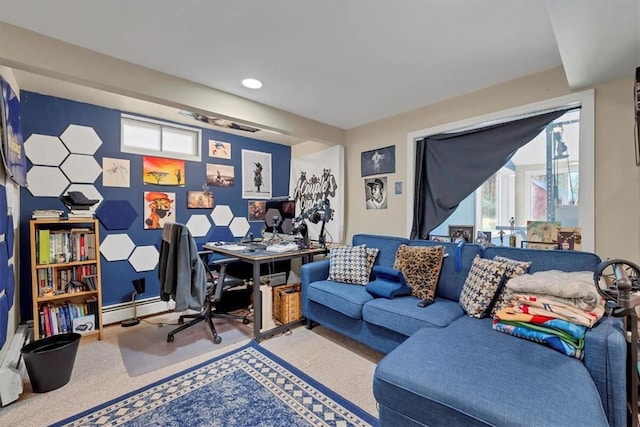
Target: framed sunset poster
column 162, row 171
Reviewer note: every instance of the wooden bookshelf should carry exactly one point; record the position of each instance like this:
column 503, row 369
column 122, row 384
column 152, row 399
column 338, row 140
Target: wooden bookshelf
column 65, row 277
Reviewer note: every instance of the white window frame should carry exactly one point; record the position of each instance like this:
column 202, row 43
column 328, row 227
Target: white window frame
column 528, row 176
column 505, row 198
column 584, row 99
column 197, row 156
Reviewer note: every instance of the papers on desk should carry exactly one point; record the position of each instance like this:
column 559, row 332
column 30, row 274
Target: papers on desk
column 232, row 247
column 283, row 247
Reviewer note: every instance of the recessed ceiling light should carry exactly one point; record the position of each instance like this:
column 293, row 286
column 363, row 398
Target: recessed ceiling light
column 252, row 83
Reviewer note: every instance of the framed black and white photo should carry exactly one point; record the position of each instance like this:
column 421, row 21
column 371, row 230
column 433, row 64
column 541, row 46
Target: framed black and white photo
column 378, row 161
column 256, row 175
column 457, row 232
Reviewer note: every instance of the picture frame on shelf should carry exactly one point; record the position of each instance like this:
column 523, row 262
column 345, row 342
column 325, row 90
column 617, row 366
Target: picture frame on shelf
column 466, row 232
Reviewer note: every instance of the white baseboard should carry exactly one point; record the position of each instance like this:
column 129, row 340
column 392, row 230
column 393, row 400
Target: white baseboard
column 116, row 313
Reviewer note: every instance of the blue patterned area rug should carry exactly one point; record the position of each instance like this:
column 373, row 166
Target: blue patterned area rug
column 246, row 387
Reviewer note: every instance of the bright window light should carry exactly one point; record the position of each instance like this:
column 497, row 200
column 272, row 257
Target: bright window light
column 252, row 83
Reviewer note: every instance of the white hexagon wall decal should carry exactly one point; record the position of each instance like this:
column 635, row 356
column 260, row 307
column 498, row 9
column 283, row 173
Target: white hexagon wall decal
column 89, row 191
column 239, row 226
column 81, row 139
column 116, row 247
column 144, row 258
column 199, row 225
column 46, row 181
column 45, row 150
column 81, row 168
column 221, row 215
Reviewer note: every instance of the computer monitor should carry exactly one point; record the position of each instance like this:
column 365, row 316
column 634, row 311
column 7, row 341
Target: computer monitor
column 279, row 215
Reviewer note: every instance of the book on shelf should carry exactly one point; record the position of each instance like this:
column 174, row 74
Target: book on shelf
column 43, row 247
column 80, row 214
column 46, row 213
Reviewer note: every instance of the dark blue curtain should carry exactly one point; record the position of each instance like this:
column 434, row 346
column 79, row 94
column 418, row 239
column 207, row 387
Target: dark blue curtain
column 451, row 166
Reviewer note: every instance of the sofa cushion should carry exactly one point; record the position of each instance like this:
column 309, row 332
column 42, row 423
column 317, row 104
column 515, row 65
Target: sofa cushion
column 420, row 267
column 481, row 288
column 514, row 268
column 348, row 264
column 388, row 246
column 451, row 279
column 347, row 300
column 388, row 283
column 457, row 386
column 403, row 315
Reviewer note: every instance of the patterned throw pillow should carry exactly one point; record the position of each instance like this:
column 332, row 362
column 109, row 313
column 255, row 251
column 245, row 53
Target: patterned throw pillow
column 372, row 254
column 514, row 268
column 481, row 285
column 420, row 266
column 348, row 264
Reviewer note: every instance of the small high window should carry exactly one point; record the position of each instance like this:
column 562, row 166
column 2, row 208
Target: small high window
column 162, row 139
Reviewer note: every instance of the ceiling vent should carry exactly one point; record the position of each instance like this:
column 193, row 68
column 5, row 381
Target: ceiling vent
column 223, row 123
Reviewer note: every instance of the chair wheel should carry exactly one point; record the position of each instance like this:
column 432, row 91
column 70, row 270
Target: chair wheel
column 170, row 338
column 180, row 321
column 217, row 340
column 245, row 321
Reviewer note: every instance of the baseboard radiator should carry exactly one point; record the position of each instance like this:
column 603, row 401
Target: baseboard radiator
column 13, row 370
column 116, row 313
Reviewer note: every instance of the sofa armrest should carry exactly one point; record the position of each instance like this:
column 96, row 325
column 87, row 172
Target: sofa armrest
column 309, row 273
column 605, row 357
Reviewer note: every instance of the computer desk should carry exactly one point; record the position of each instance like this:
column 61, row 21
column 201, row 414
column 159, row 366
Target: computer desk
column 256, row 258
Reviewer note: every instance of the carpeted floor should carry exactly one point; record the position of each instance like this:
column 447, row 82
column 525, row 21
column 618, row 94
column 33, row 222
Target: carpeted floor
column 99, row 373
column 146, row 349
column 247, row 386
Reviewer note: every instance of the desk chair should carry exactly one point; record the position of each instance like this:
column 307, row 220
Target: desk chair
column 188, row 279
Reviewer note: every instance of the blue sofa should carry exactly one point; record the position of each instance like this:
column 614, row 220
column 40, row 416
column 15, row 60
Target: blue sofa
column 444, row 368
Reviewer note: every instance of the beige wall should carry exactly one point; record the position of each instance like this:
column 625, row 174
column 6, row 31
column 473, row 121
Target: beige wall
column 617, row 184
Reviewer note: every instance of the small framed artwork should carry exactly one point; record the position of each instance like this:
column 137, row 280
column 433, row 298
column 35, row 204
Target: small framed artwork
column 398, row 187
column 199, row 200
column 162, row 171
column 464, row 232
column 219, row 149
column 158, row 209
column 115, row 172
column 84, row 324
column 438, row 238
column 256, row 175
column 220, row 175
column 257, row 210
column 379, row 161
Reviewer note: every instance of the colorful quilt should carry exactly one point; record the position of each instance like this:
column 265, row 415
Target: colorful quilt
column 559, row 334
column 540, row 305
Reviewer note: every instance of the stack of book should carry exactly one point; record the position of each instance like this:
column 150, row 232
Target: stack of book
column 46, row 213
column 80, row 213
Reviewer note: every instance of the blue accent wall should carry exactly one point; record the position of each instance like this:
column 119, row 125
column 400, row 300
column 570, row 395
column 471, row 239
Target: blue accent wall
column 49, row 115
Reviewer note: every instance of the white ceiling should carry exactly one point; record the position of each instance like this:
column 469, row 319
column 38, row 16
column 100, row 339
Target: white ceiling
column 348, row 63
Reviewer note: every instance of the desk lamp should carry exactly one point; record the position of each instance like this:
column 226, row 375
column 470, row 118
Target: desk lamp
column 138, row 285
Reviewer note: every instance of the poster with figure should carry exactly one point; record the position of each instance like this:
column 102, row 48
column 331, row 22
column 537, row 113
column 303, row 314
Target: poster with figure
column 162, row 171
column 219, row 149
column 220, row 175
column 115, row 172
column 256, row 175
column 378, row 161
column 317, row 177
column 13, row 155
column 158, row 209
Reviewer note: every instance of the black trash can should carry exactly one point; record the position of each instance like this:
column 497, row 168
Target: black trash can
column 50, row 361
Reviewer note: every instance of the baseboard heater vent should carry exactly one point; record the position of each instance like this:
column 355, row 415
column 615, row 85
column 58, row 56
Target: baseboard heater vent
column 116, row 313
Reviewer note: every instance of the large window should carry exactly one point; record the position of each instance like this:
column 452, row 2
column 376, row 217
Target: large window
column 549, row 179
column 155, row 138
column 548, row 171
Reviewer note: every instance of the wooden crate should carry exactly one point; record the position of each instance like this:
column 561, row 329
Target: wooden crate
column 286, row 303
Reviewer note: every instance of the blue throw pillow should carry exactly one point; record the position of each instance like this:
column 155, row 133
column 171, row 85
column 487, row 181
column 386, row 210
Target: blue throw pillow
column 389, row 283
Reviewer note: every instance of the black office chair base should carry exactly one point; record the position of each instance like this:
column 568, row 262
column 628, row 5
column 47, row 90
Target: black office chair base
column 197, row 318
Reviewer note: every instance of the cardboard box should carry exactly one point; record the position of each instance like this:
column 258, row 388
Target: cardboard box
column 286, row 303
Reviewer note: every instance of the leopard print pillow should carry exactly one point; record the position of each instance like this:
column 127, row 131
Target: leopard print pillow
column 420, row 266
